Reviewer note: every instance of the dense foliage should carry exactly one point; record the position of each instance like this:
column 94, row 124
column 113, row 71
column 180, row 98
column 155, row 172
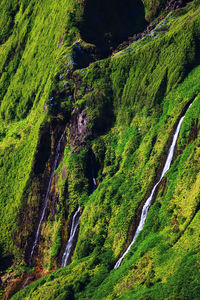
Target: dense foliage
column 131, row 103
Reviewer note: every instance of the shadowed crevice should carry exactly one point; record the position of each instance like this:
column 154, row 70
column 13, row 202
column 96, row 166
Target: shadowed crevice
column 108, row 23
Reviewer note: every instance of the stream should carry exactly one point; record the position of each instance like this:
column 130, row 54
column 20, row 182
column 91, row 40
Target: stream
column 70, row 242
column 76, row 219
column 149, row 200
column 46, row 198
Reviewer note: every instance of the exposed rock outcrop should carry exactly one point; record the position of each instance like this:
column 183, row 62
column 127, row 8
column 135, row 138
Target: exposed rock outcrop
column 79, row 127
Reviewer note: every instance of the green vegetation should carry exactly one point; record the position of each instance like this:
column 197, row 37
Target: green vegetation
column 130, row 104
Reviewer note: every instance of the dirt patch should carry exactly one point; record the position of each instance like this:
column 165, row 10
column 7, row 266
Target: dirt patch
column 16, row 284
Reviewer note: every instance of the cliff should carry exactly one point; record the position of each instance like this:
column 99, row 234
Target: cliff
column 108, row 80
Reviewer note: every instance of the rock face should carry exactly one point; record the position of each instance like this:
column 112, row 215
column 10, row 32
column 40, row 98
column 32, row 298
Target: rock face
column 28, row 217
column 78, row 127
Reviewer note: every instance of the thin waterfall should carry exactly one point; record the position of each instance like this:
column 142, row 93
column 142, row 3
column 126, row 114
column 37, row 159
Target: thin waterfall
column 149, row 200
column 76, row 220
column 92, row 163
column 46, row 197
column 70, row 243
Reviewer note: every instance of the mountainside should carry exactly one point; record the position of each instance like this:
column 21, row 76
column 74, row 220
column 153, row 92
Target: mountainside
column 91, row 94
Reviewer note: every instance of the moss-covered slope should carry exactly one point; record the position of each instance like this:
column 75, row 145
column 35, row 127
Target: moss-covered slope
column 125, row 108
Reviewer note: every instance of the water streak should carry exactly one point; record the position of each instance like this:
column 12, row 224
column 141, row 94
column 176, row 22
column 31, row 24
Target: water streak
column 149, row 200
column 46, row 197
column 76, row 219
column 92, row 160
column 74, row 228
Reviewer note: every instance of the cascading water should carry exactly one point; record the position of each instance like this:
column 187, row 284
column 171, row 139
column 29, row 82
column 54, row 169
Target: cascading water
column 46, row 198
column 76, row 220
column 92, row 160
column 149, row 200
column 74, row 228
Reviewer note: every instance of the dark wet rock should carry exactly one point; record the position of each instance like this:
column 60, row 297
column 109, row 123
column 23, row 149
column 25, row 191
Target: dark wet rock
column 81, row 57
column 108, row 23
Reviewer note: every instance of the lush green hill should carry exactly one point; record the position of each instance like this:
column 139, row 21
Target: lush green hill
column 55, row 77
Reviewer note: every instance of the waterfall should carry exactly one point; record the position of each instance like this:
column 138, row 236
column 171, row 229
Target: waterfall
column 76, row 220
column 74, row 228
column 92, row 160
column 46, row 197
column 149, row 200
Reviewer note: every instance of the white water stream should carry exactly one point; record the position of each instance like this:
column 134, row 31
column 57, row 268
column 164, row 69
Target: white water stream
column 76, row 220
column 92, row 159
column 74, row 228
column 46, row 198
column 149, row 200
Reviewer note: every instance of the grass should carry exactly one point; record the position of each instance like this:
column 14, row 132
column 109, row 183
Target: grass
column 133, row 102
column 27, row 78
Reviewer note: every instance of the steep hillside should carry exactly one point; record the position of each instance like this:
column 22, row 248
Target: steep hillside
column 82, row 127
